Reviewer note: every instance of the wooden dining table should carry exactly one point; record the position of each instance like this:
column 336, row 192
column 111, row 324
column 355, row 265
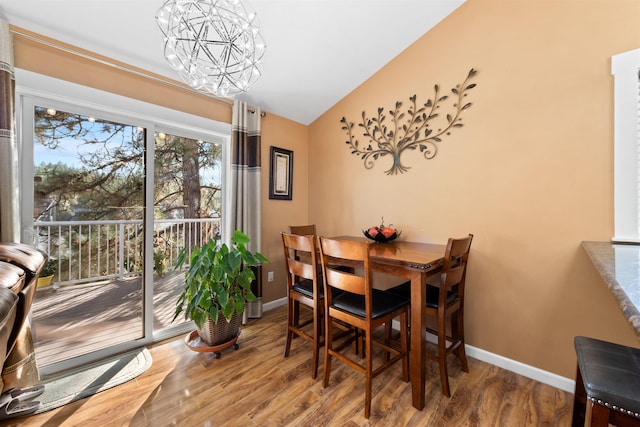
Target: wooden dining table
column 414, row 261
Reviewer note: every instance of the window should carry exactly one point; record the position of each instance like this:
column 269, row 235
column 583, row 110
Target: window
column 113, row 190
column 625, row 68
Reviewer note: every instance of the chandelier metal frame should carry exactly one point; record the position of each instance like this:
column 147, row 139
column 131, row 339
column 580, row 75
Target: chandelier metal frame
column 215, row 45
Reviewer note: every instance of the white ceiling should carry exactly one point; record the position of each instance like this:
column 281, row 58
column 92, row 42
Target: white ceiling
column 318, row 51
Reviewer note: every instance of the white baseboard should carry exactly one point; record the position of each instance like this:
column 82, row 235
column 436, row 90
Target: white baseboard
column 519, row 368
column 274, row 304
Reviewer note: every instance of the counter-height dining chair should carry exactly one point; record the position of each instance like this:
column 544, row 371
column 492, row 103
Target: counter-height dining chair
column 445, row 300
column 304, row 287
column 360, row 306
column 303, row 230
column 307, row 230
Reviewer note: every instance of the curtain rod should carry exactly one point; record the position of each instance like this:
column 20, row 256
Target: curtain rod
column 119, row 67
column 253, row 111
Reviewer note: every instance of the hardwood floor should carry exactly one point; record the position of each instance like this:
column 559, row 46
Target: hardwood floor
column 256, row 386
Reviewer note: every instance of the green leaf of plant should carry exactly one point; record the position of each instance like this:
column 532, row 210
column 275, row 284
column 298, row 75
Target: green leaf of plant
column 213, row 312
column 182, row 256
column 240, row 238
column 228, row 310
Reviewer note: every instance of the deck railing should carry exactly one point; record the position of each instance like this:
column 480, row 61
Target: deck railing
column 89, row 251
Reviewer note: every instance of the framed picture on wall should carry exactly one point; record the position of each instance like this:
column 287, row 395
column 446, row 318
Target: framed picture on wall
column 281, row 174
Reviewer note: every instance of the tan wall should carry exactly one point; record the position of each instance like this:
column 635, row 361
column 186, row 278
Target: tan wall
column 530, row 174
column 277, row 215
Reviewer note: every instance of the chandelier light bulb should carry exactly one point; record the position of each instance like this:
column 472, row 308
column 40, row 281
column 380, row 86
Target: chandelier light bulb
column 215, row 45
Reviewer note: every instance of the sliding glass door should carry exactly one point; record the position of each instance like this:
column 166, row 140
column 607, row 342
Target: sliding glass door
column 187, row 208
column 88, row 211
column 113, row 200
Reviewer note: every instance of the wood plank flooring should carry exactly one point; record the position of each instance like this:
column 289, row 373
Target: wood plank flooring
column 257, row 386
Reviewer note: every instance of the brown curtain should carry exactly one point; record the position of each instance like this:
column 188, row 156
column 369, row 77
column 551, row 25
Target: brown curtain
column 244, row 212
column 19, row 369
column 245, row 174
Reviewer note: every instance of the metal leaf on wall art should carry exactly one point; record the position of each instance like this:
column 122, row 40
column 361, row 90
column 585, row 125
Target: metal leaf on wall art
column 408, row 130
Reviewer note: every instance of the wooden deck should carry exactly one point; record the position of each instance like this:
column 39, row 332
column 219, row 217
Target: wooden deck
column 77, row 319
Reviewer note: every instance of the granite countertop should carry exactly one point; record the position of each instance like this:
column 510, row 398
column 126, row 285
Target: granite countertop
column 619, row 266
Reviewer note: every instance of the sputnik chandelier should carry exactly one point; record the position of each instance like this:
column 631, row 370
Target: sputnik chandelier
column 215, row 45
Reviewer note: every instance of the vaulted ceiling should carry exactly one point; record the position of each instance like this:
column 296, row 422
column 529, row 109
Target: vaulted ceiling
column 317, row 50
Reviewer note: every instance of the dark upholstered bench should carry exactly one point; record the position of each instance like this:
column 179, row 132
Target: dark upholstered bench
column 607, row 384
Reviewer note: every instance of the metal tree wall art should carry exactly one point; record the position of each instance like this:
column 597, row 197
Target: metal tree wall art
column 408, row 130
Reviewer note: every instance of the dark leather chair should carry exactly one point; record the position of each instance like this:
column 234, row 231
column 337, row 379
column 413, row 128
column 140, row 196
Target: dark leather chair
column 607, row 384
column 30, row 261
column 20, row 266
column 12, row 281
column 8, row 309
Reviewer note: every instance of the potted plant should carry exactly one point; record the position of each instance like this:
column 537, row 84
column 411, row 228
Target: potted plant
column 217, row 287
column 46, row 275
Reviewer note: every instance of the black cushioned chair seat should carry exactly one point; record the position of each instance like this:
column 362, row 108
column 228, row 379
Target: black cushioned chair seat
column 432, row 294
column 383, row 303
column 305, row 287
column 610, row 372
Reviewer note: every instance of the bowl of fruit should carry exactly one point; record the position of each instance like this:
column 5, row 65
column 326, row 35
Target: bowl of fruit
column 382, row 233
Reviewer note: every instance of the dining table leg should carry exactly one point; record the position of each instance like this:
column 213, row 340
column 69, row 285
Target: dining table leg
column 418, row 342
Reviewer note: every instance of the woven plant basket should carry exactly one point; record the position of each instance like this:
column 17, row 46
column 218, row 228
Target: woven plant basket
column 221, row 332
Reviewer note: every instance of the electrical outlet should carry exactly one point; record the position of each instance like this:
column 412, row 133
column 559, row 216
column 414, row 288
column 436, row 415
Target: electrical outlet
column 270, row 276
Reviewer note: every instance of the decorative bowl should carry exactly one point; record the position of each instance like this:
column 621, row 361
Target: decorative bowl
column 382, row 238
